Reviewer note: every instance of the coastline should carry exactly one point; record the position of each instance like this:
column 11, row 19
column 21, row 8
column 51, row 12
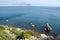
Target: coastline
column 13, row 33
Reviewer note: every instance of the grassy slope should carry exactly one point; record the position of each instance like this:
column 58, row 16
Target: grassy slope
column 10, row 33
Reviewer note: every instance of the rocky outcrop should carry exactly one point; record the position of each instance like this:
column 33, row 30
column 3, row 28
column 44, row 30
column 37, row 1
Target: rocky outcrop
column 47, row 28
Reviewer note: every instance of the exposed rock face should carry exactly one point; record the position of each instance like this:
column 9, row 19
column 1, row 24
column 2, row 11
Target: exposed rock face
column 47, row 28
column 43, row 36
column 46, row 37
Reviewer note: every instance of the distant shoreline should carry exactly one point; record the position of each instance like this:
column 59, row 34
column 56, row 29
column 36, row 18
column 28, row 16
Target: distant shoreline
column 14, row 4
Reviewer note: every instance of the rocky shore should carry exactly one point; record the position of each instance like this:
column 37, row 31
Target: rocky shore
column 11, row 33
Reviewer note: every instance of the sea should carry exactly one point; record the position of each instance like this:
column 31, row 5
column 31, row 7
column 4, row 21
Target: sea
column 24, row 16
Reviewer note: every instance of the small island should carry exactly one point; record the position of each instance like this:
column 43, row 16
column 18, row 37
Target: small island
column 22, row 4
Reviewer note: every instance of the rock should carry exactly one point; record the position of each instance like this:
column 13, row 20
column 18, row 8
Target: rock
column 47, row 28
column 43, row 36
column 12, row 35
column 46, row 37
column 33, row 25
column 11, row 28
column 51, row 37
column 7, row 31
column 33, row 38
column 18, row 29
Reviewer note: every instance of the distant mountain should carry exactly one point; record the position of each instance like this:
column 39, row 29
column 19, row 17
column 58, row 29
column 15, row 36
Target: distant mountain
column 22, row 4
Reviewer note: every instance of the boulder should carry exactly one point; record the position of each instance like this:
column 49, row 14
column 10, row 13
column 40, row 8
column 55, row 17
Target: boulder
column 47, row 28
column 43, row 36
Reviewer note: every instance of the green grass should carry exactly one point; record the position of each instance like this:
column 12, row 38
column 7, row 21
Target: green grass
column 5, row 36
column 33, row 33
column 15, row 31
column 2, row 28
column 26, row 33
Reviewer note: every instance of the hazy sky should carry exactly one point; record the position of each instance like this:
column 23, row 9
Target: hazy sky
column 34, row 2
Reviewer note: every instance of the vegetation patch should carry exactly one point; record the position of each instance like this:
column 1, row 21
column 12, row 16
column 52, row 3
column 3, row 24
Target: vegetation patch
column 11, row 33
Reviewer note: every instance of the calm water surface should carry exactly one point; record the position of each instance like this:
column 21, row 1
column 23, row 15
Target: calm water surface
column 39, row 16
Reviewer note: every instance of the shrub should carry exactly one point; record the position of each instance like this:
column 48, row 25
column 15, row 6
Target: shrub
column 2, row 28
column 5, row 36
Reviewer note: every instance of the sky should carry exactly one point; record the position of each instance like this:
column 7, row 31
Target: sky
column 55, row 3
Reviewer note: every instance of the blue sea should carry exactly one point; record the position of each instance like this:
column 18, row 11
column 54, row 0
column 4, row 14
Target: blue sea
column 22, row 16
